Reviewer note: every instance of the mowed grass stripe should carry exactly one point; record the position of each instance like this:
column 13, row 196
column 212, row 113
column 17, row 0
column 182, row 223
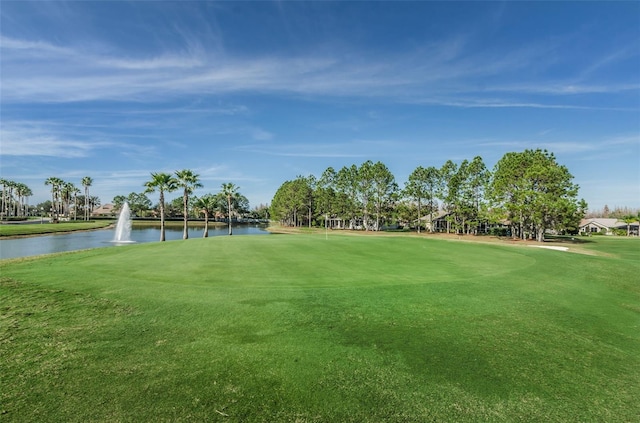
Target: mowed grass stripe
column 300, row 328
column 296, row 261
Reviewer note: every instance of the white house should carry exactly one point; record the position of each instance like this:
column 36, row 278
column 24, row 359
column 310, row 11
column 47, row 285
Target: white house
column 606, row 226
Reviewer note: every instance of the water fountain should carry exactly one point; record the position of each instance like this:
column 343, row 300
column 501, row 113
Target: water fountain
column 123, row 227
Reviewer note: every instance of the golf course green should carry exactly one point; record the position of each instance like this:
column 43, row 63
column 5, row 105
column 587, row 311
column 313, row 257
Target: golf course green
column 309, row 328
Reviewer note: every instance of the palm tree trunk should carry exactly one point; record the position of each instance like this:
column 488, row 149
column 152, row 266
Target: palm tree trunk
column 161, row 216
column 229, row 213
column 185, row 231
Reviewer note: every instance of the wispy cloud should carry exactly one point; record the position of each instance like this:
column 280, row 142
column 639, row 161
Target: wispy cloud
column 222, row 173
column 564, row 88
column 227, row 110
column 34, row 49
column 162, row 62
column 622, row 53
column 495, row 103
column 35, row 142
column 314, row 150
column 35, row 138
column 560, row 147
column 442, row 74
column 556, row 147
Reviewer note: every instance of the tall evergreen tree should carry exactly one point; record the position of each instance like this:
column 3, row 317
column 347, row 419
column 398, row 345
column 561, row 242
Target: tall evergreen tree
column 448, row 188
column 383, row 189
column 422, row 185
column 536, row 192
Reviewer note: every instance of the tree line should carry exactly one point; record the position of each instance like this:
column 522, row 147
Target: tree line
column 15, row 199
column 528, row 193
column 65, row 199
column 617, row 212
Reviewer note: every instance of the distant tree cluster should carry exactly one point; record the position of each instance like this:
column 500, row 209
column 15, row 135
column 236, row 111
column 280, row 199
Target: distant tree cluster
column 65, row 199
column 139, row 203
column 529, row 192
column 362, row 195
column 15, row 199
column 615, row 213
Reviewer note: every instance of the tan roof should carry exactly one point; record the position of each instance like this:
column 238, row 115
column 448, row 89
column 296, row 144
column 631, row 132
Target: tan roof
column 104, row 209
column 605, row 222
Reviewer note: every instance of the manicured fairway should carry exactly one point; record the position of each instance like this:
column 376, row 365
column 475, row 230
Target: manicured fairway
column 307, row 329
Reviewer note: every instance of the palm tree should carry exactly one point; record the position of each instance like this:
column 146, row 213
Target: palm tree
column 3, row 211
column 75, row 193
column 11, row 202
column 188, row 181
column 629, row 219
column 94, row 202
column 23, row 192
column 230, row 191
column 162, row 182
column 205, row 205
column 86, row 183
column 55, row 183
column 68, row 190
column 15, row 197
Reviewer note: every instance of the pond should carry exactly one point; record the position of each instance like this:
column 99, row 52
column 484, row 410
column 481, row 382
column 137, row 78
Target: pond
column 46, row 244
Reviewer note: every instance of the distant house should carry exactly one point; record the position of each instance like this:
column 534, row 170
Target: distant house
column 606, row 226
column 104, row 210
column 442, row 221
column 439, row 223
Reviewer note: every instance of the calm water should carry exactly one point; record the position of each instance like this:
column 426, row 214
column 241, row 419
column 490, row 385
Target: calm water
column 32, row 246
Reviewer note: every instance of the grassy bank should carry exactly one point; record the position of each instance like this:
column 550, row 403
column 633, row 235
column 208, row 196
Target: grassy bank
column 37, row 228
column 303, row 328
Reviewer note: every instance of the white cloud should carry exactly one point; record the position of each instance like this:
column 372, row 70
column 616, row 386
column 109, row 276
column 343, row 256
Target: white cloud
column 564, row 88
column 260, row 134
column 46, row 139
column 443, row 73
column 35, row 49
column 622, row 53
column 163, row 62
column 33, row 142
column 561, row 147
column 330, row 150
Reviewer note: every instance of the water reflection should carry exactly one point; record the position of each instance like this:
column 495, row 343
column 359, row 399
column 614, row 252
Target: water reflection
column 46, row 244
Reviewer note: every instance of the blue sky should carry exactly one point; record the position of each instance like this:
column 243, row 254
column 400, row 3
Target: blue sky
column 256, row 93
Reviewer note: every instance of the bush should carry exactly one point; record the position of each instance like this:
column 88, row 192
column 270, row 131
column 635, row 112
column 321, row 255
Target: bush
column 500, row 232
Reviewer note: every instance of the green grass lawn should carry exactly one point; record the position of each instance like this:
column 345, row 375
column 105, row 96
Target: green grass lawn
column 299, row 328
column 38, row 228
